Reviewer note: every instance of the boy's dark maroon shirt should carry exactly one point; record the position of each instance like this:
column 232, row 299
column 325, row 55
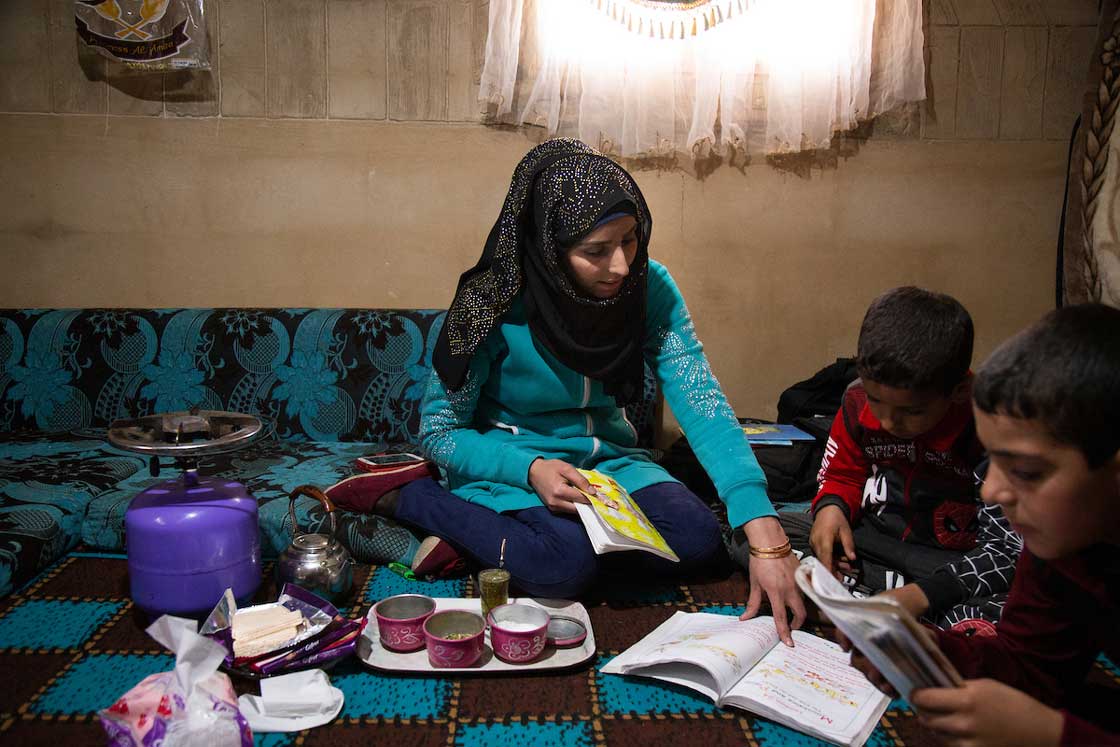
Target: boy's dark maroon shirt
column 1060, row 615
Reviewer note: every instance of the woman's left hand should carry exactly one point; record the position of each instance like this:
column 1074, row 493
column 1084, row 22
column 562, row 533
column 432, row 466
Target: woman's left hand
column 774, row 578
column 986, row 712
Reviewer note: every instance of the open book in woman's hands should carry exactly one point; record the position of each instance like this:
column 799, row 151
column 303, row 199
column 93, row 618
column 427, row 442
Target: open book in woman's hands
column 615, row 522
column 882, row 630
column 741, row 663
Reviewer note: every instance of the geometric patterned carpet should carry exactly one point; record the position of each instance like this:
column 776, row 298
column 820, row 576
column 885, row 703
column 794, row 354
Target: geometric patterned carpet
column 71, row 643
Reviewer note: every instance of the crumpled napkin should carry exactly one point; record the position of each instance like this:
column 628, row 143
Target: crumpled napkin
column 292, row 702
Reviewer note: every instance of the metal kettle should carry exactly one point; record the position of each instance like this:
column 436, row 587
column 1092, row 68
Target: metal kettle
column 316, row 562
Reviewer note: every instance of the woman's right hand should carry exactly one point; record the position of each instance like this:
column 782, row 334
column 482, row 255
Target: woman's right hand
column 772, row 579
column 558, row 484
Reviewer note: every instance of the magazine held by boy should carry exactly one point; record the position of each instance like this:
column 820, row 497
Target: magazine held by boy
column 882, row 630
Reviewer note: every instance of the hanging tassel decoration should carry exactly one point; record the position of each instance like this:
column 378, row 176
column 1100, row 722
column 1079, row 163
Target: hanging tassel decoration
column 686, row 20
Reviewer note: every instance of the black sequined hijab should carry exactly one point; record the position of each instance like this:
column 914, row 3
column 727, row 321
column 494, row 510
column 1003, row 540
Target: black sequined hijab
column 560, row 191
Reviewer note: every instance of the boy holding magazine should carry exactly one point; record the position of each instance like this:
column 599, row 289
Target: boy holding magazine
column 1047, row 406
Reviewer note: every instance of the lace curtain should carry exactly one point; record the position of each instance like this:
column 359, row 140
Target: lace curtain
column 649, row 78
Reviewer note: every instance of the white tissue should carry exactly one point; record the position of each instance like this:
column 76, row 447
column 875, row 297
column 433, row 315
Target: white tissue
column 292, row 702
column 196, row 657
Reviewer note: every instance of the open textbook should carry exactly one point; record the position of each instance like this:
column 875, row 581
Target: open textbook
column 882, row 630
column 741, row 663
column 615, row 522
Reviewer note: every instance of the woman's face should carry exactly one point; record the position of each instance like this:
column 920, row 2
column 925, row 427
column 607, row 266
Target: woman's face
column 600, row 261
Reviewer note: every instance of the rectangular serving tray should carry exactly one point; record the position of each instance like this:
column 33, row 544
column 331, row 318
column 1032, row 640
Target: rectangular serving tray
column 373, row 654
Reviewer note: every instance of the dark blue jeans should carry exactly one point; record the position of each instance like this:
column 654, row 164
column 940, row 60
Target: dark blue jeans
column 549, row 555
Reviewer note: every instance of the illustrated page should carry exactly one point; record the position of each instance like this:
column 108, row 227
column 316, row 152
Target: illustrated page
column 617, row 510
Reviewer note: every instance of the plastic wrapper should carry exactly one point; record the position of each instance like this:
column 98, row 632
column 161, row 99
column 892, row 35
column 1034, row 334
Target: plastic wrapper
column 146, row 34
column 327, row 635
column 192, row 705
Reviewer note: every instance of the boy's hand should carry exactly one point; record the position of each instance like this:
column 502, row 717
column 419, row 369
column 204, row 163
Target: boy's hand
column 986, row 712
column 869, row 670
column 911, row 597
column 829, row 526
column 864, row 665
column 558, row 484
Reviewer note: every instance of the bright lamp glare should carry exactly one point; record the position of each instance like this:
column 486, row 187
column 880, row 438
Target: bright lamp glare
column 639, row 77
column 781, row 35
column 578, row 33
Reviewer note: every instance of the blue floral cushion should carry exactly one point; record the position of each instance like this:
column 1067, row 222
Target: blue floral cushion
column 318, row 374
column 334, row 384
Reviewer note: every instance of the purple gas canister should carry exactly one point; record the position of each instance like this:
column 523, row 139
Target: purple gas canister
column 190, row 539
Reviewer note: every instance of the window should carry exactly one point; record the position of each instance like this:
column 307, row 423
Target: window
column 648, row 78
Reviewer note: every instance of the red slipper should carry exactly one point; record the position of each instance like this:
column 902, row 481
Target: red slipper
column 361, row 492
column 436, row 558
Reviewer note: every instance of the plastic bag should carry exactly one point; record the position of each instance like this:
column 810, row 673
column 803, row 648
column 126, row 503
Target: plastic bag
column 146, row 34
column 194, row 704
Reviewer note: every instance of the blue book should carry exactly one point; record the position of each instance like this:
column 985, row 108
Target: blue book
column 775, row 434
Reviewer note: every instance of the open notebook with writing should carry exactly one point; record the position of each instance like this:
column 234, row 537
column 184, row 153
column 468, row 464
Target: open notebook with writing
column 742, row 663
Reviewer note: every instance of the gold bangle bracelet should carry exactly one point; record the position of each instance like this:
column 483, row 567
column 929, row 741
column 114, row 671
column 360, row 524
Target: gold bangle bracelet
column 777, row 548
column 771, row 553
column 772, row 556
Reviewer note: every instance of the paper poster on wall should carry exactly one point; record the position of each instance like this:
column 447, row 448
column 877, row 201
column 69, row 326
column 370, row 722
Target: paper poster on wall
column 146, row 34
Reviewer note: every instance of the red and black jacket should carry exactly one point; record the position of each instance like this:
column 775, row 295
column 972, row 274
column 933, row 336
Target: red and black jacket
column 917, row 490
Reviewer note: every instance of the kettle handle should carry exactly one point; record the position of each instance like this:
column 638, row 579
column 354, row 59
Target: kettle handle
column 311, row 492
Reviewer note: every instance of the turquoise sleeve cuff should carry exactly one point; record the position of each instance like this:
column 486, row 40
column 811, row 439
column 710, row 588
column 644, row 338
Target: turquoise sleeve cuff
column 511, row 465
column 747, row 501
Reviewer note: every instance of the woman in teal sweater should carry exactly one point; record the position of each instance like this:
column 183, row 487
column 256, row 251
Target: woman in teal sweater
column 544, row 344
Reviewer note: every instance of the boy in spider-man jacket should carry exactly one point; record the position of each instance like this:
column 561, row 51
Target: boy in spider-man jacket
column 897, row 507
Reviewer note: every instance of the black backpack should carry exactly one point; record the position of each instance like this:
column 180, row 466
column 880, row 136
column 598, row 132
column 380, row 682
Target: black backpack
column 811, row 405
column 818, row 395
column 791, row 471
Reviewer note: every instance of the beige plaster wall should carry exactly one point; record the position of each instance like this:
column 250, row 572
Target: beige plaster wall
column 777, row 269
column 333, row 157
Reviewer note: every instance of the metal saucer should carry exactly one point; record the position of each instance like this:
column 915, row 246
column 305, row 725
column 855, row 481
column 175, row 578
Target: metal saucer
column 564, row 632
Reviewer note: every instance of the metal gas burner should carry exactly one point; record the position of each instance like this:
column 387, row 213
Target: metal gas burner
column 185, row 436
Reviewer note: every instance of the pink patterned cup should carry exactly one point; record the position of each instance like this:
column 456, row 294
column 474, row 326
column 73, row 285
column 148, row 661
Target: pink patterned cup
column 400, row 621
column 518, row 632
column 454, row 638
